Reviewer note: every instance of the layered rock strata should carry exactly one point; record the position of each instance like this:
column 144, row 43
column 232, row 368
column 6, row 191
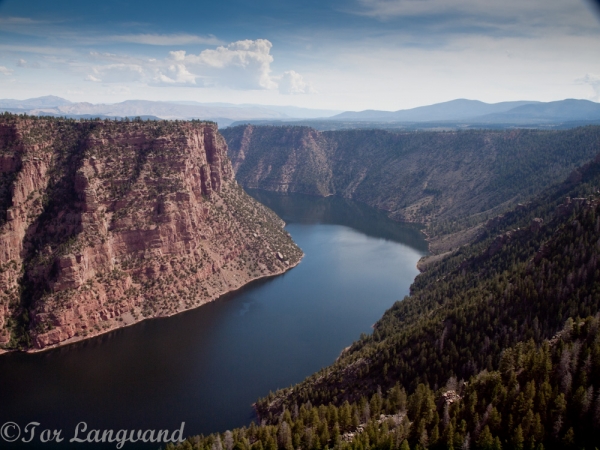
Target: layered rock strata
column 105, row 223
column 419, row 177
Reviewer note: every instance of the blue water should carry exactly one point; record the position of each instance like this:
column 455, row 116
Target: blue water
column 205, row 367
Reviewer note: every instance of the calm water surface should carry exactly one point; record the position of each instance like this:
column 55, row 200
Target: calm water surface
column 205, row 367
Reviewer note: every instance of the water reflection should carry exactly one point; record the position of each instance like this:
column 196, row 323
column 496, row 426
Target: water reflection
column 308, row 209
column 205, row 367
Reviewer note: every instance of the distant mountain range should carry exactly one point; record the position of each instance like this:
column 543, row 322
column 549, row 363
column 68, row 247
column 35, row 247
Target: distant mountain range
column 49, row 101
column 456, row 113
column 474, row 111
column 222, row 113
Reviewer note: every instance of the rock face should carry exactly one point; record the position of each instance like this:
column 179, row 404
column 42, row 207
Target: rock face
column 414, row 176
column 106, row 223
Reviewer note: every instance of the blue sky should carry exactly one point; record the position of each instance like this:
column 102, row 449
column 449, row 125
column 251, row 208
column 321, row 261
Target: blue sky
column 348, row 55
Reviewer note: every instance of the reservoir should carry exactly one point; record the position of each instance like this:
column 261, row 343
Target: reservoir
column 206, row 367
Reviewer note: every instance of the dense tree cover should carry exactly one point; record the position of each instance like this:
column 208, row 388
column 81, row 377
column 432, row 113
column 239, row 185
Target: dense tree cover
column 582, row 182
column 457, row 176
column 463, row 312
column 542, row 396
column 475, row 356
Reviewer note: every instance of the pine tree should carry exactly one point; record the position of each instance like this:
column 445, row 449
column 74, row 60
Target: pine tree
column 517, row 439
column 485, row 441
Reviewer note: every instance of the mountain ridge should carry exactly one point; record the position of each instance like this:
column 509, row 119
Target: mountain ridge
column 105, row 223
column 415, row 177
column 224, row 113
column 474, row 111
column 458, row 109
column 452, row 114
column 497, row 346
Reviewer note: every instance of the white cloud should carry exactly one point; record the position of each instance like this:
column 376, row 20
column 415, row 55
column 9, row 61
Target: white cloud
column 123, row 69
column 175, row 75
column 166, row 39
column 9, row 20
column 244, row 65
column 292, row 82
column 5, row 71
column 118, row 90
column 105, row 56
column 63, row 51
column 240, row 65
column 178, row 55
column 508, row 8
column 24, row 63
column 525, row 18
column 117, row 73
column 594, row 82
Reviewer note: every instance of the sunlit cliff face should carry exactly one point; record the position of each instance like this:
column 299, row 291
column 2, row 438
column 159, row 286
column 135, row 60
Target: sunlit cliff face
column 108, row 223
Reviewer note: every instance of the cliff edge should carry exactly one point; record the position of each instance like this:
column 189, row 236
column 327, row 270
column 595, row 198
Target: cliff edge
column 106, row 223
column 424, row 177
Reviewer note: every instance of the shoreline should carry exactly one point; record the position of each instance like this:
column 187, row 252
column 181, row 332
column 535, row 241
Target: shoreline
column 76, row 339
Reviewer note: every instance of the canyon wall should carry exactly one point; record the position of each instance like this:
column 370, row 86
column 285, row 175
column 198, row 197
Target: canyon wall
column 414, row 176
column 105, row 223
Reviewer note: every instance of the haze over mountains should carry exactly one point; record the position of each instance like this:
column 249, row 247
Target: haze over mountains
column 223, row 113
column 460, row 109
column 456, row 113
column 476, row 111
column 462, row 113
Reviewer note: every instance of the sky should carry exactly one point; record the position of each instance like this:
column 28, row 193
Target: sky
column 330, row 54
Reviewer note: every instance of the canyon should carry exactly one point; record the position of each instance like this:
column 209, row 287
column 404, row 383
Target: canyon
column 511, row 315
column 421, row 177
column 105, row 223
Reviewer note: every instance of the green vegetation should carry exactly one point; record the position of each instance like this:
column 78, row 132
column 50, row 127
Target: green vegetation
column 542, row 396
column 87, row 183
column 498, row 346
column 436, row 178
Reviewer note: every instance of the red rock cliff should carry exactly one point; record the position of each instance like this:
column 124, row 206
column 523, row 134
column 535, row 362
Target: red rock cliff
column 105, row 223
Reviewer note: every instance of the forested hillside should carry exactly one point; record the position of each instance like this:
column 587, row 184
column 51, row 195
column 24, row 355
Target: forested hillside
column 497, row 346
column 541, row 396
column 417, row 176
